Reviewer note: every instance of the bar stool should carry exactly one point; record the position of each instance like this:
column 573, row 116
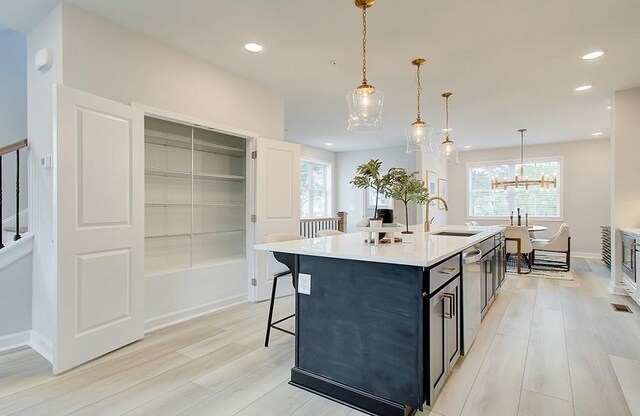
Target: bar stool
column 276, row 238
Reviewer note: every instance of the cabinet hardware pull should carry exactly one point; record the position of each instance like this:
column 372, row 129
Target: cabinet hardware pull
column 452, row 300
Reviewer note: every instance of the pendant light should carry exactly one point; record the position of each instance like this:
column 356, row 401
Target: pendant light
column 448, row 150
column 365, row 102
column 545, row 182
column 419, row 133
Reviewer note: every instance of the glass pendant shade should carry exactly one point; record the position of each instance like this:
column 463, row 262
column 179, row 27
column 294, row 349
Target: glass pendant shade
column 419, row 137
column 448, row 151
column 365, row 109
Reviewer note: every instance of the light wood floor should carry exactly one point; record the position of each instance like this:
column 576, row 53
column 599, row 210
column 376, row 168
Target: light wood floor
column 546, row 347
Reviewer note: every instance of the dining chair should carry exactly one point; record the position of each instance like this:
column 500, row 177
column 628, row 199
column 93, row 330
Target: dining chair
column 559, row 243
column 327, row 233
column 518, row 243
column 276, row 238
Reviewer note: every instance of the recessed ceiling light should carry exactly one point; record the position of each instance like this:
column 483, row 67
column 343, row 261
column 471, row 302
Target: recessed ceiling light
column 467, row 146
column 253, row 47
column 608, row 107
column 329, row 144
column 597, row 134
column 583, row 88
column 446, row 129
column 593, row 55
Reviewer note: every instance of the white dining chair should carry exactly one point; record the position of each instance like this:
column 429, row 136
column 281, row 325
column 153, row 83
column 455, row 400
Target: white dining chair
column 559, row 243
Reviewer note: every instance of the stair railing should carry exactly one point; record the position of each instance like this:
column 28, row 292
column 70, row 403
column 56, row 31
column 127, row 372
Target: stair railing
column 13, row 147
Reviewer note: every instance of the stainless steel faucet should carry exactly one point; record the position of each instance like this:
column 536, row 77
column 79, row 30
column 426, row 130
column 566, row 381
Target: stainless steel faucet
column 427, row 223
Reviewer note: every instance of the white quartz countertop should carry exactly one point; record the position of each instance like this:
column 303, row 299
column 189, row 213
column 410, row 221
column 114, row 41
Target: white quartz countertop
column 426, row 250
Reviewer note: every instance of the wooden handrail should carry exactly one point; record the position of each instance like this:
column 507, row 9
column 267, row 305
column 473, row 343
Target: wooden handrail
column 13, row 147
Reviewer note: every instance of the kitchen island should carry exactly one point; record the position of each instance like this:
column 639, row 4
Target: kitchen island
column 378, row 327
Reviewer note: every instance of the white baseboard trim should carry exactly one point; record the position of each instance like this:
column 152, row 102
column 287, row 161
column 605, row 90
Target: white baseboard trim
column 586, row 255
column 617, row 289
column 42, row 345
column 17, row 340
column 159, row 322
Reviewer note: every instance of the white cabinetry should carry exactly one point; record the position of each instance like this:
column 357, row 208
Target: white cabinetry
column 195, row 220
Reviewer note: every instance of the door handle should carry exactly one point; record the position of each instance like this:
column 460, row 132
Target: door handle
column 452, row 300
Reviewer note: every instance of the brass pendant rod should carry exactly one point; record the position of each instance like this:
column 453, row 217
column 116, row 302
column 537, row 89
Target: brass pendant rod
column 364, row 45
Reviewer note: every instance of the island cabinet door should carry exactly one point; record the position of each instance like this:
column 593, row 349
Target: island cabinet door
column 436, row 344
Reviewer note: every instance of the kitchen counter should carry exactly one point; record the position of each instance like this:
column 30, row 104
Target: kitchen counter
column 426, row 250
column 634, row 231
column 379, row 328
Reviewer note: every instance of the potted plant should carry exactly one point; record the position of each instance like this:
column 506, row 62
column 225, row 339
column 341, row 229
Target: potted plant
column 406, row 187
column 368, row 175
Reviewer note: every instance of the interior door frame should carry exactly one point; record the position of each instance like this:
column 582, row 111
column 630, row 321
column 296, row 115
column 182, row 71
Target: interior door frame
column 251, row 139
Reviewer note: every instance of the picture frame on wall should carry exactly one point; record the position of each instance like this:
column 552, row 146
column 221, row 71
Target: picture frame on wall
column 442, row 191
column 431, row 181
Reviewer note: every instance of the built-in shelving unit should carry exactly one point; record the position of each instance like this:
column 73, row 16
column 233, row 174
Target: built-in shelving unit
column 195, row 197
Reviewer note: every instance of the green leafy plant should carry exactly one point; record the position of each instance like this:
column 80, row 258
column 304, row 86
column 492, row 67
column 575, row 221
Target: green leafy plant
column 406, row 187
column 368, row 175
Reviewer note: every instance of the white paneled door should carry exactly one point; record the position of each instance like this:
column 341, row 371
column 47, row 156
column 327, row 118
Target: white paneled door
column 99, row 186
column 277, row 207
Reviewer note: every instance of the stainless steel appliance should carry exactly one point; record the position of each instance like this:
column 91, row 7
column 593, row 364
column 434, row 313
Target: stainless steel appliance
column 629, row 248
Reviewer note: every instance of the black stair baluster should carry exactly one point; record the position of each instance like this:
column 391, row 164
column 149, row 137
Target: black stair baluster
column 1, row 232
column 17, row 236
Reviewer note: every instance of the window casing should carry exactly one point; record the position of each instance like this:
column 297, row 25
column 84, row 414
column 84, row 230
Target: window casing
column 484, row 203
column 315, row 189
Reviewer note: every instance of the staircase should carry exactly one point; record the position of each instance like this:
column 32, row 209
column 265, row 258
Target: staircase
column 15, row 229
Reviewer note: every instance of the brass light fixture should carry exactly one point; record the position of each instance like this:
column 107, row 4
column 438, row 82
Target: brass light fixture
column 545, row 182
column 365, row 102
column 419, row 133
column 448, row 150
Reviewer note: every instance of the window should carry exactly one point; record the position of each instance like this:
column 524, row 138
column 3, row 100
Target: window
column 538, row 203
column 315, row 189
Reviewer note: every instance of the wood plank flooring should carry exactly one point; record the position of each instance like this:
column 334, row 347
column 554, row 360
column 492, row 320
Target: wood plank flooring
column 545, row 348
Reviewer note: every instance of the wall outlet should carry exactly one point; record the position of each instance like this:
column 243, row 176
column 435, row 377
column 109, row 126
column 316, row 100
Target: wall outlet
column 304, row 283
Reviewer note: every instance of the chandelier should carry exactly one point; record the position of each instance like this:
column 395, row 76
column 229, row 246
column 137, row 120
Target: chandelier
column 448, row 151
column 545, row 182
column 419, row 133
column 365, row 102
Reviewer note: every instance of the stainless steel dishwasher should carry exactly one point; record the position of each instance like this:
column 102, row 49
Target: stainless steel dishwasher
column 472, row 309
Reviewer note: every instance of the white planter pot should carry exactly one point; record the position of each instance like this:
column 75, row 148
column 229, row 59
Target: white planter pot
column 407, row 237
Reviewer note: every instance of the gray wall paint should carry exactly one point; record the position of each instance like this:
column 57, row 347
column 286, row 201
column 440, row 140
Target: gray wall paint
column 15, row 297
column 351, row 199
column 13, row 115
column 114, row 62
column 585, row 187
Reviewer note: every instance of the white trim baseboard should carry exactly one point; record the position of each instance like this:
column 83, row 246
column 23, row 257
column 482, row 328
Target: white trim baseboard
column 16, row 250
column 17, row 340
column 586, row 255
column 159, row 322
column 42, row 345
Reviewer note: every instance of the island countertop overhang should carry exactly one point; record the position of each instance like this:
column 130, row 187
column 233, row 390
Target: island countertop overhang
column 426, row 250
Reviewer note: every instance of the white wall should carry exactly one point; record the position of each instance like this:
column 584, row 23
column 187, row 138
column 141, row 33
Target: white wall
column 321, row 155
column 13, row 116
column 15, row 298
column 625, row 195
column 114, row 62
column 117, row 63
column 585, row 187
column 48, row 34
column 351, row 199
column 428, row 161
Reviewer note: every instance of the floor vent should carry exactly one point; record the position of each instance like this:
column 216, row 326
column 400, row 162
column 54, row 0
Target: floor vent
column 621, row 308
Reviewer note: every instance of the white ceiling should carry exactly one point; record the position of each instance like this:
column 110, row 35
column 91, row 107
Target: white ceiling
column 510, row 64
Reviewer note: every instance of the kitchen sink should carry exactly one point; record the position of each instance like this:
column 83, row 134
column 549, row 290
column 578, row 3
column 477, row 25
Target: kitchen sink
column 457, row 233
